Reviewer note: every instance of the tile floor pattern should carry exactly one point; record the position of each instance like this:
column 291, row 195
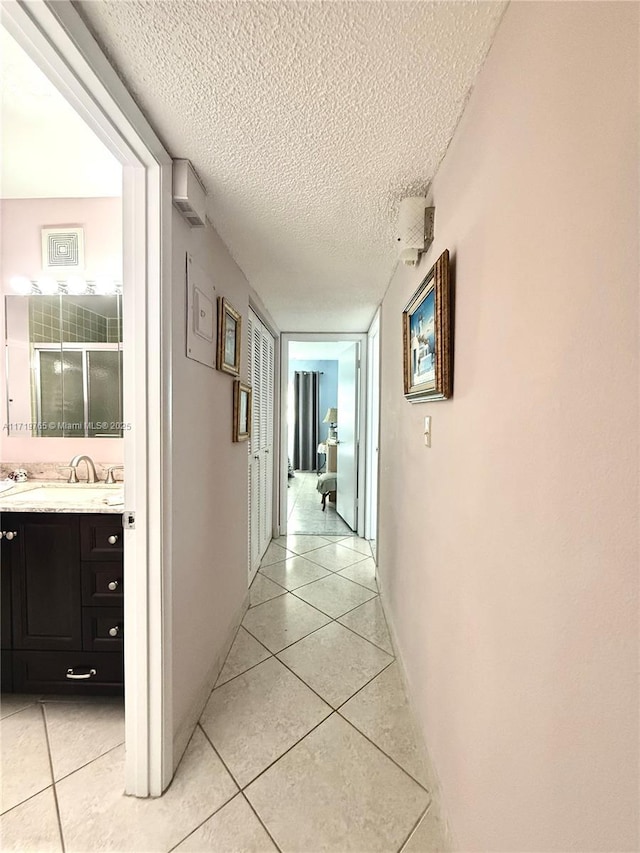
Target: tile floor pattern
column 304, row 508
column 306, row 743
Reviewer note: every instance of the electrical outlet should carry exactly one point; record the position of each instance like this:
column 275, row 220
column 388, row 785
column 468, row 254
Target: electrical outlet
column 427, row 430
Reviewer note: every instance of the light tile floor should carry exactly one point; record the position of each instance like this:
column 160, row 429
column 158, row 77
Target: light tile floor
column 306, row 743
column 304, row 508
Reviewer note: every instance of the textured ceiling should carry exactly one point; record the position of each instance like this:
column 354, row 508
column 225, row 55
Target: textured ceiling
column 307, row 122
column 48, row 151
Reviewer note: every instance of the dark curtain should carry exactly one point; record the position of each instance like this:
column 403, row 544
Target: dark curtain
column 307, row 424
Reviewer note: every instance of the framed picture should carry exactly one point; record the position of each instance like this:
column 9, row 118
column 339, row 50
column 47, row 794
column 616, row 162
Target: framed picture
column 241, row 411
column 427, row 342
column 229, row 338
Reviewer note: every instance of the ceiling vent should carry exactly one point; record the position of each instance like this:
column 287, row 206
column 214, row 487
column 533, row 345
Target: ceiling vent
column 189, row 196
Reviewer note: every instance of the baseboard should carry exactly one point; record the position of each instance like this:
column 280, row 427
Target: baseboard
column 436, row 808
column 184, row 732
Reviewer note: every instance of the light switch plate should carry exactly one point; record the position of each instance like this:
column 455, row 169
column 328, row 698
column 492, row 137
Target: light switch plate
column 427, row 430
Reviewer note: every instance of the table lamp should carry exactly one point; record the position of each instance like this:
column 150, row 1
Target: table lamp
column 331, row 418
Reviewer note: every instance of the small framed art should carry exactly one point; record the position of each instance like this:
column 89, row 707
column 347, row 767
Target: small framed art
column 229, row 338
column 241, row 411
column 427, row 337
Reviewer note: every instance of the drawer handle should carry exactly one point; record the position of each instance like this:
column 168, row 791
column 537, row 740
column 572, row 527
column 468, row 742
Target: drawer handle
column 113, row 632
column 113, row 585
column 112, row 539
column 80, row 676
column 10, row 534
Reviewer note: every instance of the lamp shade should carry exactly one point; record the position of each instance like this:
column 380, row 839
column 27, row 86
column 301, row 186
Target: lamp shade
column 331, row 417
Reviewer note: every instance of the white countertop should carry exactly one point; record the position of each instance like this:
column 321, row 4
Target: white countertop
column 47, row 496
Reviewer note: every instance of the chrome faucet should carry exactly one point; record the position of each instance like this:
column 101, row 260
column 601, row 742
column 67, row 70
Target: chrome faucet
column 73, row 465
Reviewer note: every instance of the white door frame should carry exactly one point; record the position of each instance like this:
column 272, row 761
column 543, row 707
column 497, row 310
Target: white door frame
column 57, row 39
column 285, row 340
column 373, row 427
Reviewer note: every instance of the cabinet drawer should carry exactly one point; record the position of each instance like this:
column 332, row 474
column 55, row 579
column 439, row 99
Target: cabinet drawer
column 49, row 672
column 101, row 537
column 98, row 581
column 102, row 629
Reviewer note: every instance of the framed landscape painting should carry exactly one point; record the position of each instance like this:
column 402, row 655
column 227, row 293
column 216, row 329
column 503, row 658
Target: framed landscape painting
column 229, row 338
column 426, row 333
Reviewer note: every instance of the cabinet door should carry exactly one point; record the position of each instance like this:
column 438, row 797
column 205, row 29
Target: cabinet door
column 45, row 579
column 5, row 600
column 261, row 378
column 6, row 675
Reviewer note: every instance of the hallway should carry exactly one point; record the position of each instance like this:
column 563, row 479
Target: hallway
column 306, row 742
column 304, row 510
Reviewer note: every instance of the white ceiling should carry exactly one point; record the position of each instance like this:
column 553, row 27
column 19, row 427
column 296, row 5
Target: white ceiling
column 308, row 122
column 47, row 149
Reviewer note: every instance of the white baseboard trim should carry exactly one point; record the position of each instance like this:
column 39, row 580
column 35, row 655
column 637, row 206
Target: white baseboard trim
column 436, row 808
column 183, row 735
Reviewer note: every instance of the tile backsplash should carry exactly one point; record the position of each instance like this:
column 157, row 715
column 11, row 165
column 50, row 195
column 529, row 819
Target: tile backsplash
column 51, row 470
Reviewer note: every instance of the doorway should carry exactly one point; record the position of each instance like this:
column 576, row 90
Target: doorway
column 57, row 41
column 322, row 472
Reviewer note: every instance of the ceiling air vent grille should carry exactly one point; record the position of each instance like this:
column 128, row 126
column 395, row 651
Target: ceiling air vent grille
column 63, row 249
column 189, row 196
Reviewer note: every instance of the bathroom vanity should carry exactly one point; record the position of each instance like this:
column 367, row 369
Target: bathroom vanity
column 62, row 590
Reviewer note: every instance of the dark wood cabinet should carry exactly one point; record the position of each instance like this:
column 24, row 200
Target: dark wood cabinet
column 45, row 580
column 59, row 636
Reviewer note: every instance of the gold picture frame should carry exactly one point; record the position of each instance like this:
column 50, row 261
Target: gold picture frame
column 229, row 338
column 427, row 337
column 242, row 395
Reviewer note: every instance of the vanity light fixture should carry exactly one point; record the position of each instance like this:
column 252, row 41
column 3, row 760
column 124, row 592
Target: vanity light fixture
column 74, row 286
column 47, row 285
column 105, row 286
column 21, row 285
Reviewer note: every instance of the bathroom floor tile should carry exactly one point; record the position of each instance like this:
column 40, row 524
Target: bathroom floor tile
column 96, row 815
column 369, row 621
column 245, row 653
column 254, row 719
column 295, row 572
column 352, row 797
column 13, row 702
column 80, row 732
column 335, row 662
column 363, row 573
column 32, row 826
column 334, row 595
column 25, row 756
column 381, row 712
column 335, row 557
column 282, row 621
column 234, row 829
column 262, row 589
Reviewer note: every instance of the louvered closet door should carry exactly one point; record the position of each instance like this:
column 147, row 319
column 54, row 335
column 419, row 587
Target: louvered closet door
column 261, row 379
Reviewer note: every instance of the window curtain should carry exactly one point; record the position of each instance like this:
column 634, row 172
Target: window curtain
column 307, row 420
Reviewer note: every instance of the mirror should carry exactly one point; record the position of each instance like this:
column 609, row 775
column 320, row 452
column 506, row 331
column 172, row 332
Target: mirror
column 64, row 366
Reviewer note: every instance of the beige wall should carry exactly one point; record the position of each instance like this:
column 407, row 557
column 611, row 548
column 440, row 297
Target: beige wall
column 209, row 490
column 509, row 550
